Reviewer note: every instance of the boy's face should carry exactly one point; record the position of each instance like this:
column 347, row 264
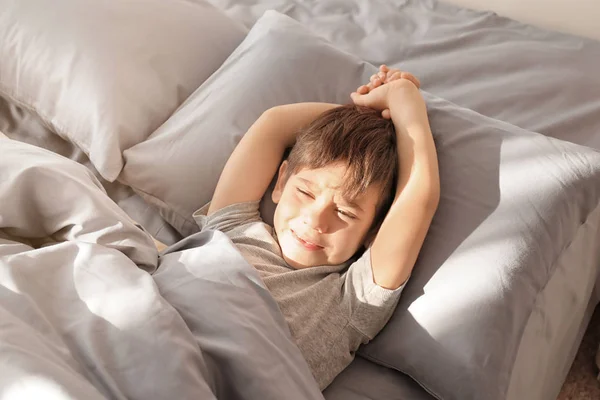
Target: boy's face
column 315, row 225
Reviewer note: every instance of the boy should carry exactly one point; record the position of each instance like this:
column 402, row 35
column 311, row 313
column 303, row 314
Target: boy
column 358, row 175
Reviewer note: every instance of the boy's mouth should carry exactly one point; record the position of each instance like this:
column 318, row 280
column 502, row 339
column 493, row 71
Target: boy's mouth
column 305, row 243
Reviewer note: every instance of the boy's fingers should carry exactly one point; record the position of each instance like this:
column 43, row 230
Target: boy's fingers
column 394, row 76
column 392, row 71
column 363, row 89
column 356, row 98
column 382, row 75
column 383, row 68
column 412, row 78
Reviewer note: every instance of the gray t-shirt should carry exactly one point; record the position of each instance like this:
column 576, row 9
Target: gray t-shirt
column 330, row 310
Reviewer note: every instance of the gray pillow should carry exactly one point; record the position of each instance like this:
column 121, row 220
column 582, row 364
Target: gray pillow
column 279, row 62
column 106, row 74
column 508, row 263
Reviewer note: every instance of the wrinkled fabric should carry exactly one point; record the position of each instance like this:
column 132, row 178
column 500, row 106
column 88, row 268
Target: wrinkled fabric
column 81, row 317
column 536, row 79
column 105, row 74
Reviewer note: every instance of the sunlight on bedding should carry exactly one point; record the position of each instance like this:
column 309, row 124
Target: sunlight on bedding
column 107, row 282
column 7, row 279
column 34, row 387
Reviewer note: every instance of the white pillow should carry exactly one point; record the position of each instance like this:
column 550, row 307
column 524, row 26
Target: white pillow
column 106, row 74
column 279, row 62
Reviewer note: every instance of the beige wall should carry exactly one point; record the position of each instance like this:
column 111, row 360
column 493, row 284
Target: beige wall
column 579, row 17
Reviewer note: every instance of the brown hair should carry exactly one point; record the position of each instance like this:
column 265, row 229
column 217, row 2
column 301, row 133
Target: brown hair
column 359, row 138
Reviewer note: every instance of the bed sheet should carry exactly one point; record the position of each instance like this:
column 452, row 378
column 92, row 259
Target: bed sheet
column 364, row 380
column 539, row 80
column 578, row 18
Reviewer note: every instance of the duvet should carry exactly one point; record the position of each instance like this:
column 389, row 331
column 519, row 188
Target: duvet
column 88, row 309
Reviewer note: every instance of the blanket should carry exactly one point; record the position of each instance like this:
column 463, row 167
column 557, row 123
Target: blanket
column 89, row 310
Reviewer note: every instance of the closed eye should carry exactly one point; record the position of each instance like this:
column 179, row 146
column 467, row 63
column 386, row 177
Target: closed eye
column 346, row 214
column 305, row 193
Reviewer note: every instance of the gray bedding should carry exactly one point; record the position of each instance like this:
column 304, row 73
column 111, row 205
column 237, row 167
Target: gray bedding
column 542, row 81
column 538, row 80
column 19, row 123
column 82, row 317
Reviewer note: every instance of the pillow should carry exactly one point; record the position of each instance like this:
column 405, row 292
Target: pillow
column 507, row 267
column 279, row 62
column 105, row 74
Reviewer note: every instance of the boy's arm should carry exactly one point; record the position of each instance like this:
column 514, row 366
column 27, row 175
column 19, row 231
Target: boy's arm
column 397, row 244
column 257, row 156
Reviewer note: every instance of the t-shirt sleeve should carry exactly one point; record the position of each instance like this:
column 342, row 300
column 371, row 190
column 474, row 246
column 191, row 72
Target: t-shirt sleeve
column 229, row 217
column 370, row 305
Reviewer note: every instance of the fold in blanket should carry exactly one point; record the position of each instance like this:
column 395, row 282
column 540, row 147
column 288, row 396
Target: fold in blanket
column 81, row 317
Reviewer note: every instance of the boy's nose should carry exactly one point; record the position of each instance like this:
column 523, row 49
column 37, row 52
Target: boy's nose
column 316, row 218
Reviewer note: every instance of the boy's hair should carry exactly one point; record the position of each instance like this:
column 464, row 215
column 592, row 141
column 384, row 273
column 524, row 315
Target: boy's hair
column 359, row 138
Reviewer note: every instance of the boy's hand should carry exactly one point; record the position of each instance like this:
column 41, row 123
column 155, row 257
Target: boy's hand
column 401, row 94
column 386, row 75
column 377, row 99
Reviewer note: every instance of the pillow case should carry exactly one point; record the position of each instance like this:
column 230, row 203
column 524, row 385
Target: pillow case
column 279, row 62
column 508, row 265
column 105, row 74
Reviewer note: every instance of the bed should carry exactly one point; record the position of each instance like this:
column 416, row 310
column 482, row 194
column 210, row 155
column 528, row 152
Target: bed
column 502, row 291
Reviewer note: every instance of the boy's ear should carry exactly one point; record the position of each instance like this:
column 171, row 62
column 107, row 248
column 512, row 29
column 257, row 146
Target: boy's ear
column 280, row 184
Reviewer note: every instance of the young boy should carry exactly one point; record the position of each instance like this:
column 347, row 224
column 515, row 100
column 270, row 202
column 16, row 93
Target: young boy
column 358, row 175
